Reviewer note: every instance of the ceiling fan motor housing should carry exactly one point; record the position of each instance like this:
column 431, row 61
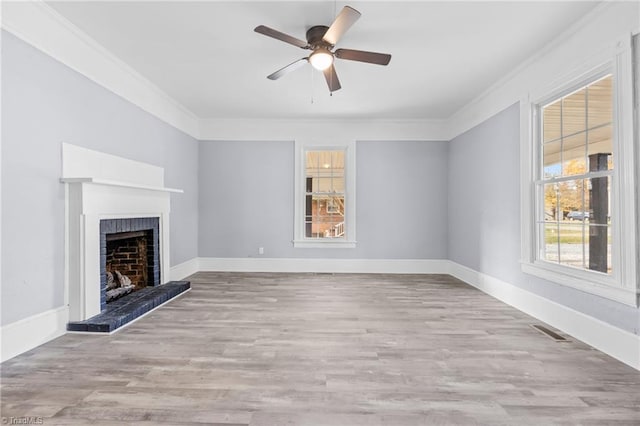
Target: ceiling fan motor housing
column 314, row 37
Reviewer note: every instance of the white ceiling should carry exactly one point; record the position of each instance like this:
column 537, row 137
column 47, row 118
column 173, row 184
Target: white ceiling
column 206, row 56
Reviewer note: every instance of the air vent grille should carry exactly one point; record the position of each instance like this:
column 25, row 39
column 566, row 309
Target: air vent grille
column 549, row 333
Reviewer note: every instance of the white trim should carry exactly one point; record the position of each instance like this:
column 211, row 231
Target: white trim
column 183, row 270
column 41, row 26
column 120, row 184
column 28, row 333
column 636, row 137
column 324, row 243
column 620, row 344
column 527, row 179
column 82, row 163
column 1, row 162
column 252, row 129
column 581, row 280
column 371, row 266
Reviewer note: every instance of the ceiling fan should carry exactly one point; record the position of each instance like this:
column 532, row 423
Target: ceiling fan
column 321, row 40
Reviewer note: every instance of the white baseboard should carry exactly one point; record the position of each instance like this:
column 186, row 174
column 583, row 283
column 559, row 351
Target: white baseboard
column 374, row 266
column 620, row 344
column 28, row 333
column 184, row 269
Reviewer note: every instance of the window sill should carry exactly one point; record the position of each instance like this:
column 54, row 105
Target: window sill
column 603, row 286
column 324, row 244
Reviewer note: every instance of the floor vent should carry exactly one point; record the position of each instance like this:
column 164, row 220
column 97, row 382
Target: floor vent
column 550, row 333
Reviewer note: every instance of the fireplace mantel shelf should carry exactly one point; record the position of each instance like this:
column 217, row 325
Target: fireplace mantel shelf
column 118, row 183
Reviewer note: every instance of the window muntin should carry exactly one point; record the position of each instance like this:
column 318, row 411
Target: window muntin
column 324, row 194
column 575, row 178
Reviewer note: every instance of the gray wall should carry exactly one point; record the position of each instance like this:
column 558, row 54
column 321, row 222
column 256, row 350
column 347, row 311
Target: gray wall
column 484, row 217
column 45, row 103
column 246, row 201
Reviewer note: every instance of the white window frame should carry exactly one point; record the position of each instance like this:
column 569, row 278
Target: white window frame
column 622, row 285
column 349, row 239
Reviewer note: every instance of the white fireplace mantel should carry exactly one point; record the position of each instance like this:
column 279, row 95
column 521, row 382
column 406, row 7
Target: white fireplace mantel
column 119, row 183
column 102, row 186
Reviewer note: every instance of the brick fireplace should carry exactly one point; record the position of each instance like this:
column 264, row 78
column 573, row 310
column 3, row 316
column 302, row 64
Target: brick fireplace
column 107, row 195
column 129, row 247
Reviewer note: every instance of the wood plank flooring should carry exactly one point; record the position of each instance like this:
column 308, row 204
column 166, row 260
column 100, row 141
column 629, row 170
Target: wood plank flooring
column 318, row 349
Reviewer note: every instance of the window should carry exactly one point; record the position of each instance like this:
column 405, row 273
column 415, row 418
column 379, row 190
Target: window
column 578, row 180
column 325, row 195
column 574, row 186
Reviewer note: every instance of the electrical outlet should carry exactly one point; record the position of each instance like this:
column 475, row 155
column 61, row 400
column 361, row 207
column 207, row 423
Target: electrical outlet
column 260, row 250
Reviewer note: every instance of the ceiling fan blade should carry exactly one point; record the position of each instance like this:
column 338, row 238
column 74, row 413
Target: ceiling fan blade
column 270, row 32
column 345, row 19
column 286, row 70
column 362, row 56
column 332, row 79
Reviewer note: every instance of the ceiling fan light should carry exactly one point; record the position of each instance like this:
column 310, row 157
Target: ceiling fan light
column 321, row 59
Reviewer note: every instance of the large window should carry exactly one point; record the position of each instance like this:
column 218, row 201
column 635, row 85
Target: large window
column 578, row 159
column 578, row 181
column 325, row 195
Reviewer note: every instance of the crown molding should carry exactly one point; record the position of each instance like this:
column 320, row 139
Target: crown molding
column 601, row 29
column 42, row 27
column 291, row 129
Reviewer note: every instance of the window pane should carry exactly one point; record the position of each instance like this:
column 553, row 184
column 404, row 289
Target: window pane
column 551, row 240
column 551, row 210
column 571, row 198
column 552, row 159
column 312, row 163
column 574, row 150
column 599, row 199
column 335, row 205
column 601, row 142
column 337, row 160
column 574, row 113
column 551, row 121
column 571, row 239
column 338, row 185
column 597, row 248
column 600, row 103
column 322, row 185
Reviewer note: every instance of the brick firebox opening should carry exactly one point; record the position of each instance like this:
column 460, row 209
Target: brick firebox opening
column 130, row 254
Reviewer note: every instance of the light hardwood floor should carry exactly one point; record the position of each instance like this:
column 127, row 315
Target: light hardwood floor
column 304, row 349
